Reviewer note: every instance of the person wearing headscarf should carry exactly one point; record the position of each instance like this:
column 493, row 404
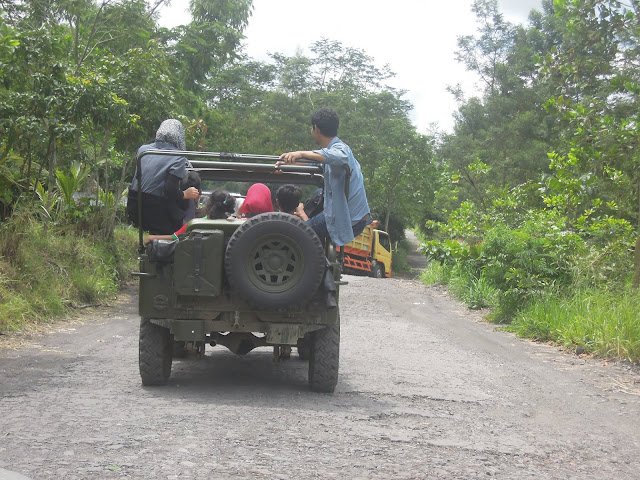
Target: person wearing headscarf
column 258, row 200
column 160, row 183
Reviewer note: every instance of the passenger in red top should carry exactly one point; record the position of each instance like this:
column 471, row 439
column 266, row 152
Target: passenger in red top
column 258, row 200
column 219, row 205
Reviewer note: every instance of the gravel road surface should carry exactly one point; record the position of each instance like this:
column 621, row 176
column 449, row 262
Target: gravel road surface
column 426, row 390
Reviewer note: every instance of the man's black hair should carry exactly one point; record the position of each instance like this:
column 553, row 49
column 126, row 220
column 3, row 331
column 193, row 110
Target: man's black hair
column 326, row 119
column 220, row 205
column 288, row 197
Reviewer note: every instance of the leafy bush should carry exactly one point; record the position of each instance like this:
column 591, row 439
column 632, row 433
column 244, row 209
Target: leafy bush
column 493, row 259
column 529, row 261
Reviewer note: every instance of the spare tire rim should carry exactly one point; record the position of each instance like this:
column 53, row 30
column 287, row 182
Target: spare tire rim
column 275, row 263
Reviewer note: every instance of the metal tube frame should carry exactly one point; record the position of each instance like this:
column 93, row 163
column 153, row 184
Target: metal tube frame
column 231, row 164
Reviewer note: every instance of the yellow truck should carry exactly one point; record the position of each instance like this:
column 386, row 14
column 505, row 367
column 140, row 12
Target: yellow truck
column 369, row 253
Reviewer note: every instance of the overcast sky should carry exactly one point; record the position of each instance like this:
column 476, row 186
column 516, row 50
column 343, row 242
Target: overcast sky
column 417, row 38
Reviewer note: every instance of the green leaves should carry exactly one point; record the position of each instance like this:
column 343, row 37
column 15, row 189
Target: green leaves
column 70, row 184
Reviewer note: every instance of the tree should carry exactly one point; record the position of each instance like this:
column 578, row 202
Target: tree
column 595, row 73
column 501, row 139
column 210, row 40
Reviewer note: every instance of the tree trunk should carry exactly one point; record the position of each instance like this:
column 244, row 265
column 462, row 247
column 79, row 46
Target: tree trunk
column 51, row 180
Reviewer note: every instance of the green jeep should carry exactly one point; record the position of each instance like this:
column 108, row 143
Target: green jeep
column 265, row 281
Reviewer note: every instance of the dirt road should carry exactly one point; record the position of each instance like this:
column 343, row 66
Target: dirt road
column 426, row 390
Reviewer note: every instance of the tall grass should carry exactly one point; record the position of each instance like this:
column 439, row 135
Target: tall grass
column 436, row 274
column 475, row 292
column 601, row 322
column 43, row 273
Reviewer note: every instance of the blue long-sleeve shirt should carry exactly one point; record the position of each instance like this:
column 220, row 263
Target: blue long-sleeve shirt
column 339, row 213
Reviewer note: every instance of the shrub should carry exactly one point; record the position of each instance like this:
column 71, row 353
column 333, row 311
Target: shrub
column 43, row 271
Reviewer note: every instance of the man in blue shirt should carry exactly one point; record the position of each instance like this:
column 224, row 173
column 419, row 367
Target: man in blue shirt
column 343, row 218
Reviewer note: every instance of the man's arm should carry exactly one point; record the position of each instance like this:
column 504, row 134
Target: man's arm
column 172, row 189
column 293, row 157
column 151, row 238
column 300, row 213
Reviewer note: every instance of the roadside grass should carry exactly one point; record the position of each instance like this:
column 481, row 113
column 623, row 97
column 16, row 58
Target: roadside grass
column 43, row 274
column 475, row 292
column 604, row 323
column 594, row 321
column 435, row 274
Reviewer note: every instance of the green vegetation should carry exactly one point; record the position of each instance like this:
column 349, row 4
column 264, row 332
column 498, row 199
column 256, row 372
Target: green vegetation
column 589, row 321
column 530, row 206
column 536, row 213
column 400, row 263
column 107, row 75
column 45, row 273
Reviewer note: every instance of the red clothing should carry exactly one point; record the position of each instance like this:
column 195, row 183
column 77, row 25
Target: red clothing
column 258, row 200
column 183, row 229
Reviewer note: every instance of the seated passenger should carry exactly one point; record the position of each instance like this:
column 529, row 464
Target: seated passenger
column 288, row 198
column 161, row 194
column 238, row 212
column 219, row 206
column 257, row 201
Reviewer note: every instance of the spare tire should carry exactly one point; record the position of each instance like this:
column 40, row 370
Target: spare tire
column 275, row 262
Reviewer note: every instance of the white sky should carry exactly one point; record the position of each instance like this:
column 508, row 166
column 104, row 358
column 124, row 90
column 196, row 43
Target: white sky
column 417, row 38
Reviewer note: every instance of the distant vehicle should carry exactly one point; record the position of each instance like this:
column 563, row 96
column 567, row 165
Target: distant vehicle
column 369, row 253
column 265, row 281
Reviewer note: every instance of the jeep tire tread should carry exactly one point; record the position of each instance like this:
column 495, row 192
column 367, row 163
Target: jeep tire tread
column 324, row 358
column 155, row 353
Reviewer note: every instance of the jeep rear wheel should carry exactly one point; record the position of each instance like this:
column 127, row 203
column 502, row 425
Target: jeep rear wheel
column 155, row 350
column 324, row 358
column 275, row 261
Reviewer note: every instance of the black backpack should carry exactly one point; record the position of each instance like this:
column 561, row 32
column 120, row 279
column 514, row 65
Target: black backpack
column 314, row 205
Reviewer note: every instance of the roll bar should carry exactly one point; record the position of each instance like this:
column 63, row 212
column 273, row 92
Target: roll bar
column 228, row 167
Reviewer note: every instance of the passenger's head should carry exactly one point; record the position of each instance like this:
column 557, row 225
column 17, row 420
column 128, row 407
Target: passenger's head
column 258, row 200
column 220, row 205
column 288, row 198
column 171, row 131
column 326, row 120
column 192, row 179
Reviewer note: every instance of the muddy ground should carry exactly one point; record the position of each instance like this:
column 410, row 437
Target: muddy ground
column 426, row 390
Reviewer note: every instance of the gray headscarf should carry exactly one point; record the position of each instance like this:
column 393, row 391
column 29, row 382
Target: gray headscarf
column 171, row 131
